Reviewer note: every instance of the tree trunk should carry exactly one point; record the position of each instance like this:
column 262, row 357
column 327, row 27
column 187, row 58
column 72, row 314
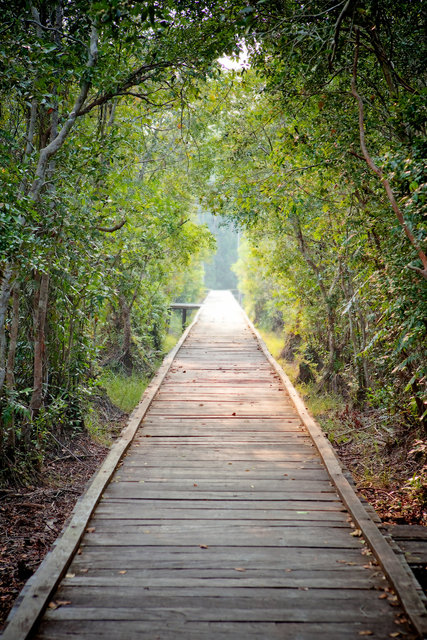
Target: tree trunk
column 329, row 378
column 10, row 367
column 126, row 357
column 4, row 301
column 56, row 143
column 39, row 344
column 13, row 338
column 386, row 184
column 357, row 328
column 332, row 343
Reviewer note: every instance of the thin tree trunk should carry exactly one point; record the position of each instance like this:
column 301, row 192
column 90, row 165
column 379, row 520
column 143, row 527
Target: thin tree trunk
column 29, row 147
column 66, row 365
column 10, row 367
column 126, row 357
column 4, row 301
column 326, row 297
column 414, row 242
column 332, row 343
column 39, row 344
column 56, row 143
column 357, row 337
column 13, row 338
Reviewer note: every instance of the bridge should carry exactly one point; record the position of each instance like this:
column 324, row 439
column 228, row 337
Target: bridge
column 222, row 513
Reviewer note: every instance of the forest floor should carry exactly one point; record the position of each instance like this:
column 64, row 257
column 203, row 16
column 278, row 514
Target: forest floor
column 389, row 467
column 32, row 517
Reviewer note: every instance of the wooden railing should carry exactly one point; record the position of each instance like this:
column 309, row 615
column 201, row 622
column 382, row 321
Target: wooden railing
column 184, row 307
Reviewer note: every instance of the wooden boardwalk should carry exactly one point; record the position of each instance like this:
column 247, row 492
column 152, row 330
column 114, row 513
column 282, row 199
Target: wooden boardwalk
column 221, row 522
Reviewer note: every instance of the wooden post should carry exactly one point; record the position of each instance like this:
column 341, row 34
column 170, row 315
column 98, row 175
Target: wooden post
column 183, row 307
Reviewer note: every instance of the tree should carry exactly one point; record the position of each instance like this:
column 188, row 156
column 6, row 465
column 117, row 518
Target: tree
column 72, row 68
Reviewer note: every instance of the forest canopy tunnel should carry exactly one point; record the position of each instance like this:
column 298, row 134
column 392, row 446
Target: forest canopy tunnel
column 119, row 125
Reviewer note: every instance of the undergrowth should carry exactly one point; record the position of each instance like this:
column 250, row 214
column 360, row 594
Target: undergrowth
column 388, row 465
column 124, row 391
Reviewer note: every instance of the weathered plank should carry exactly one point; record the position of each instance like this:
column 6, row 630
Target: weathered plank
column 199, row 579
column 171, row 558
column 138, row 505
column 179, row 629
column 132, row 490
column 241, row 485
column 229, row 604
column 181, row 473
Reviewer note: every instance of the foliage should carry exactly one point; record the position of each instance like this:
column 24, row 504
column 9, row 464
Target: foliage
column 98, row 225
column 325, row 251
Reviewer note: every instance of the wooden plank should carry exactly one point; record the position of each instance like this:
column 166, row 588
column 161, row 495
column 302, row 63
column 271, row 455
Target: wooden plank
column 207, row 439
column 191, row 579
column 407, row 531
column 133, row 490
column 239, row 450
column 213, row 422
column 154, row 474
column 415, row 550
column 238, row 467
column 173, row 557
column 137, row 505
column 179, row 629
column 285, row 433
column 181, row 536
column 184, row 305
column 104, row 524
column 272, row 486
column 119, row 511
column 226, row 604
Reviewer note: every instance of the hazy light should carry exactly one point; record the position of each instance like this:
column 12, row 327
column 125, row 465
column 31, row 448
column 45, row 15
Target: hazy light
column 242, row 62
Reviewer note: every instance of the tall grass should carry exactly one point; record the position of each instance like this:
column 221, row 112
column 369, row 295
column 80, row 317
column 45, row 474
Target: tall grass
column 124, row 391
column 319, row 403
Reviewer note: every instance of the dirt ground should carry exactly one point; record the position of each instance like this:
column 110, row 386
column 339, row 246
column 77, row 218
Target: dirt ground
column 31, row 518
column 389, row 467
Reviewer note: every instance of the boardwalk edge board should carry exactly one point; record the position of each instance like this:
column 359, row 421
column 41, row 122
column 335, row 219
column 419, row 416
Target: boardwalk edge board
column 34, row 597
column 401, row 578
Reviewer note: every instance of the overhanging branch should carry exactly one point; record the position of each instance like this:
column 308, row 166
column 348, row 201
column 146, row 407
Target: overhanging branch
column 371, row 164
column 116, row 227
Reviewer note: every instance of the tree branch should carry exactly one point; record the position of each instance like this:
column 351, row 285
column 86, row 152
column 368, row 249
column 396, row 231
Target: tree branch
column 116, row 227
column 337, row 29
column 135, row 78
column 143, row 96
column 57, row 31
column 58, row 141
column 379, row 172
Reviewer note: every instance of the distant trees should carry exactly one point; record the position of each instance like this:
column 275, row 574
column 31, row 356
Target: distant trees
column 219, row 272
